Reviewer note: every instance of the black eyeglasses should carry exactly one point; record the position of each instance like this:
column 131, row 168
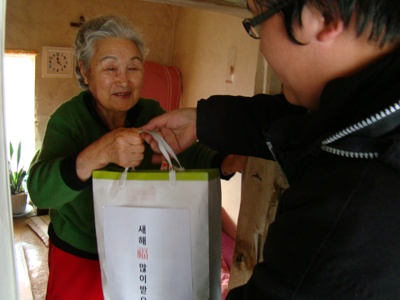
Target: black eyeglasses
column 252, row 26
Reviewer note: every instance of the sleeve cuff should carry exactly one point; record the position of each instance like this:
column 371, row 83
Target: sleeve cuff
column 217, row 162
column 68, row 174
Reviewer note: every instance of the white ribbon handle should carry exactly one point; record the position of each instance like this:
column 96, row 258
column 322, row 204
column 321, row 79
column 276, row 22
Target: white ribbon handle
column 166, row 151
column 122, row 179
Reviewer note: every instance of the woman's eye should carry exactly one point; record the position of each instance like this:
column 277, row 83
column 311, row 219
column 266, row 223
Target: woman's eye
column 132, row 69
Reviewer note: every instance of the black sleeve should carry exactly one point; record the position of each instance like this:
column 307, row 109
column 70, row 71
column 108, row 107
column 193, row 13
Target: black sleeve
column 217, row 163
column 235, row 124
column 68, row 173
column 236, row 293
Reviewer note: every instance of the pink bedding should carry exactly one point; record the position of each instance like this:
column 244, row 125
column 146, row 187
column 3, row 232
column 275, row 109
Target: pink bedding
column 228, row 244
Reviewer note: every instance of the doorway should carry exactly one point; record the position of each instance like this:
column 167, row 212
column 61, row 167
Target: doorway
column 19, row 101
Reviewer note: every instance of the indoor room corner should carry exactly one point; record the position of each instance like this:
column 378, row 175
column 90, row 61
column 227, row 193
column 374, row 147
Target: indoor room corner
column 207, row 45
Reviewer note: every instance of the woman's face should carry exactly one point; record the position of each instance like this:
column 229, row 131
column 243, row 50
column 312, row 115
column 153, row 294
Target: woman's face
column 115, row 75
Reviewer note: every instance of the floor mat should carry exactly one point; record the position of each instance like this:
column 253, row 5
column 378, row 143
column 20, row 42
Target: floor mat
column 39, row 225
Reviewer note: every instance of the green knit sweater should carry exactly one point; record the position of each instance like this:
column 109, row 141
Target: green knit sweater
column 53, row 183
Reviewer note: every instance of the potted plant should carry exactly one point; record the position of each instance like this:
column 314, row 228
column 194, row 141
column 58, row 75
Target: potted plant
column 17, row 183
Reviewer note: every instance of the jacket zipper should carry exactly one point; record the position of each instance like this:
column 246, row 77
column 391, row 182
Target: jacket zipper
column 271, row 149
column 369, row 121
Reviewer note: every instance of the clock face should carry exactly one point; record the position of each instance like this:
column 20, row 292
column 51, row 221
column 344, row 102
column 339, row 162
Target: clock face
column 57, row 62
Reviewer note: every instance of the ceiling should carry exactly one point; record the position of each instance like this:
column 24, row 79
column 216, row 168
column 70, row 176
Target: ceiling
column 232, row 7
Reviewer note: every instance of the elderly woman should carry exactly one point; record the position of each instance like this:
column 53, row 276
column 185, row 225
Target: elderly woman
column 94, row 129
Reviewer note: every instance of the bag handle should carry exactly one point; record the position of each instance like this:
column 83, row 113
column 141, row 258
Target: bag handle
column 166, row 151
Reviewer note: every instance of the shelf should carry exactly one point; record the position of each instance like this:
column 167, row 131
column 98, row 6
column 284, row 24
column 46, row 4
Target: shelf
column 232, row 7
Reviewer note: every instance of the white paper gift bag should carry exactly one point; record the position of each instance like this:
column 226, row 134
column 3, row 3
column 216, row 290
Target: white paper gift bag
column 159, row 234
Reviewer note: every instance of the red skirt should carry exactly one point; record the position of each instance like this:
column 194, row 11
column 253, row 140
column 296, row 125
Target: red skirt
column 73, row 277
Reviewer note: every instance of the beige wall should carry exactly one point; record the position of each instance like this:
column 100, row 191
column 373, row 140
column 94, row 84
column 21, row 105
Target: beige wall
column 202, row 43
column 197, row 41
column 47, row 23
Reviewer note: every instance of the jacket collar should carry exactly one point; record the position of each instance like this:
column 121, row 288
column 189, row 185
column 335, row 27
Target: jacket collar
column 368, row 138
column 345, row 104
column 348, row 101
column 376, row 127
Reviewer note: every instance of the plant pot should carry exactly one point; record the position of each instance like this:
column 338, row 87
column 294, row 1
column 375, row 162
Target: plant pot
column 19, row 203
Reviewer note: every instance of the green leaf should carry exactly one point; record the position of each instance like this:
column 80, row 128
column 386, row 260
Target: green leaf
column 18, row 176
column 18, row 154
column 11, row 150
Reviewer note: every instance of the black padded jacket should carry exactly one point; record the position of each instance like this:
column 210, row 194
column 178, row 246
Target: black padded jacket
column 336, row 234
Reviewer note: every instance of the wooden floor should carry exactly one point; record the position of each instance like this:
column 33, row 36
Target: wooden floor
column 31, row 259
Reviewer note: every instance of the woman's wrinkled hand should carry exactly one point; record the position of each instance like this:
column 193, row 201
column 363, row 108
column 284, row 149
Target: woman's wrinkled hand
column 122, row 146
column 125, row 148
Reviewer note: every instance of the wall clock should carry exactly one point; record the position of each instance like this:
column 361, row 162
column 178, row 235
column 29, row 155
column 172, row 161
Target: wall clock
column 57, row 62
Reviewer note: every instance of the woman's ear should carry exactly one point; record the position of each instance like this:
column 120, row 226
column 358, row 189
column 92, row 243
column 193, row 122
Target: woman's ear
column 83, row 71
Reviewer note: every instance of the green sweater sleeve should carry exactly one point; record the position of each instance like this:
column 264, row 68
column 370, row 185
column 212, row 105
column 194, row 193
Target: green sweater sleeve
column 70, row 129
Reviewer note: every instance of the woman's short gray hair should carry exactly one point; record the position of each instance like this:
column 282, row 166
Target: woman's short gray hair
column 100, row 28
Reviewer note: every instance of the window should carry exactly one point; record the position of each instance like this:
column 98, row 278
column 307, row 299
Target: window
column 19, row 100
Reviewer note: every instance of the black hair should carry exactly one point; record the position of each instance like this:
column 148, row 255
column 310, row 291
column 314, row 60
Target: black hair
column 380, row 17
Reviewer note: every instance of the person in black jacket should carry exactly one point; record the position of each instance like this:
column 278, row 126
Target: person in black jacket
column 336, row 135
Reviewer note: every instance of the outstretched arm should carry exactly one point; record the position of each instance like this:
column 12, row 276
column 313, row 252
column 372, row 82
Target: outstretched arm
column 178, row 128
